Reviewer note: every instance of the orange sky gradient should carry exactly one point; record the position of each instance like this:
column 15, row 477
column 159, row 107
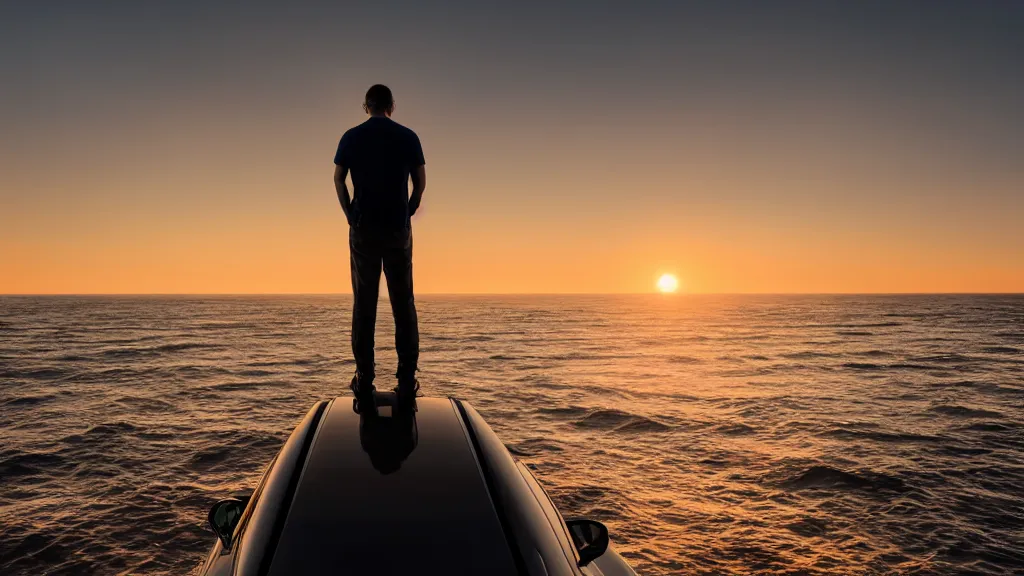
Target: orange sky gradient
column 125, row 170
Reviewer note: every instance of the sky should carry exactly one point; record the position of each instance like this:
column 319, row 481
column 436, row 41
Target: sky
column 581, row 147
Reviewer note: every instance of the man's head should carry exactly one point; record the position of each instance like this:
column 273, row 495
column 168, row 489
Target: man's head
column 379, row 101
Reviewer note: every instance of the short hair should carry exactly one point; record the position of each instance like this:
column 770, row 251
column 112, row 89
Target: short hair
column 379, row 99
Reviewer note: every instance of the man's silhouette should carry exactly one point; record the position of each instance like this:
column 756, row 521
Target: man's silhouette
column 382, row 156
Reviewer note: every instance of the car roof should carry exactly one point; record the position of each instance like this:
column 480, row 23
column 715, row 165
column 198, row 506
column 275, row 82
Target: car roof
column 392, row 495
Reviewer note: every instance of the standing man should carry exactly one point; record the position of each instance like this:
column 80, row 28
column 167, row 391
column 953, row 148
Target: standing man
column 382, row 156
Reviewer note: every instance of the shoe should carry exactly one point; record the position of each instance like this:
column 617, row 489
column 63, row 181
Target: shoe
column 364, row 402
column 406, row 391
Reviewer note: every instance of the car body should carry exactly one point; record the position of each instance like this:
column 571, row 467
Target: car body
column 423, row 490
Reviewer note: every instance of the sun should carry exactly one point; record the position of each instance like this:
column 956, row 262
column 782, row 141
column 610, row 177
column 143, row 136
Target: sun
column 668, row 284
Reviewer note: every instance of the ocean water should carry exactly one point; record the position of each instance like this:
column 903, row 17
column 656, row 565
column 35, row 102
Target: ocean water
column 713, row 435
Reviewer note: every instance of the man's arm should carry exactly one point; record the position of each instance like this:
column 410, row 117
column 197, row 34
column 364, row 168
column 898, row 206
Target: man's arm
column 340, row 172
column 419, row 184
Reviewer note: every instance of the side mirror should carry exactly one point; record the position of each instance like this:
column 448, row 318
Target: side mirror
column 590, row 538
column 224, row 516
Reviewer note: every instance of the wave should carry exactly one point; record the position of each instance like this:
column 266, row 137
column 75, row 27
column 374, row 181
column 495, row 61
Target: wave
column 964, row 412
column 829, row 477
column 160, row 350
column 583, row 497
column 587, row 356
column 254, row 373
column 237, row 386
column 210, row 457
column 30, row 400
column 990, row 427
column 620, row 421
column 35, row 374
column 965, row 450
column 808, row 527
column 735, row 429
column 1001, row 350
column 112, row 428
column 846, row 433
column 862, row 366
column 564, row 411
column 236, row 439
column 677, row 359
column 533, row 447
column 641, row 424
column 865, row 325
column 272, row 363
column 18, row 463
column 181, row 346
column 605, row 419
column 909, row 366
column 230, row 325
column 807, row 355
column 872, row 353
column 946, row 358
column 141, row 403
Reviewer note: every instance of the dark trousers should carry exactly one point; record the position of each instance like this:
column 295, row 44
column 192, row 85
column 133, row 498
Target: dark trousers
column 372, row 250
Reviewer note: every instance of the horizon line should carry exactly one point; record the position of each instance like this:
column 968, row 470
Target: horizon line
column 668, row 295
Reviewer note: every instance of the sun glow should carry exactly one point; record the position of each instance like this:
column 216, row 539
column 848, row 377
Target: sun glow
column 668, row 284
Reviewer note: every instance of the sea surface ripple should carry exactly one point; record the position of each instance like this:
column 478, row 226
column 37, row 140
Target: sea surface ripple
column 712, row 434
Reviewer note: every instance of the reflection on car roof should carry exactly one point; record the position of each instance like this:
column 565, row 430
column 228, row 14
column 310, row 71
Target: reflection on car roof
column 390, row 495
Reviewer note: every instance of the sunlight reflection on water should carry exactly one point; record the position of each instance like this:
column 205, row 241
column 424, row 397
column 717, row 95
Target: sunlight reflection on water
column 756, row 434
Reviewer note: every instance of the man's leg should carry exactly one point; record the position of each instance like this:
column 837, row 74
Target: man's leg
column 398, row 271
column 366, row 266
